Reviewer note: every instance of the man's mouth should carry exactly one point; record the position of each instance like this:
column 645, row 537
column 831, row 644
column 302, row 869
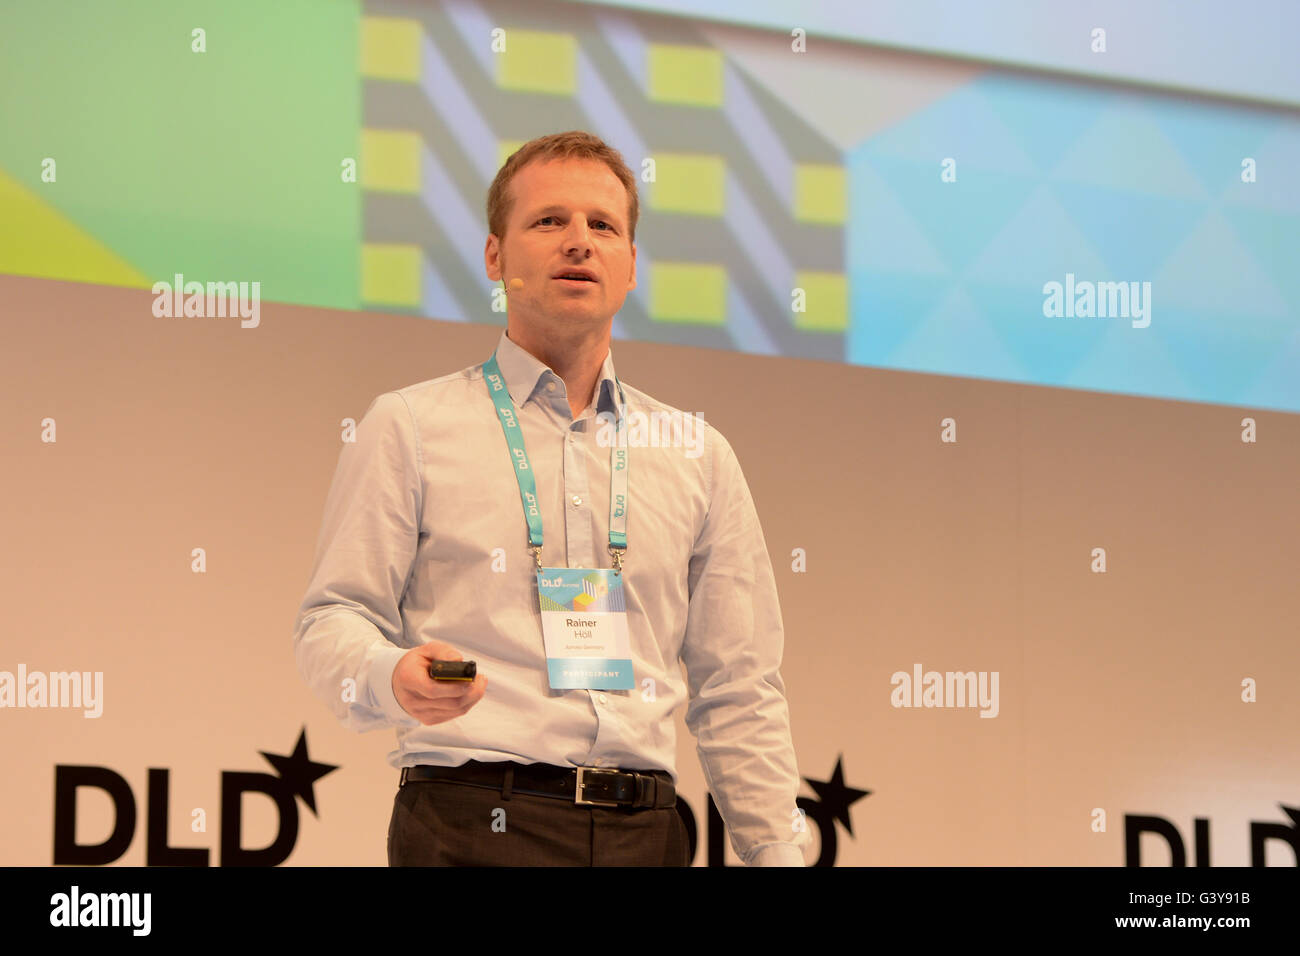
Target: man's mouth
column 575, row 277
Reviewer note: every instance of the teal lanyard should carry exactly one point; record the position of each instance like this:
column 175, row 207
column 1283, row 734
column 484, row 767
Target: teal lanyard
column 618, row 501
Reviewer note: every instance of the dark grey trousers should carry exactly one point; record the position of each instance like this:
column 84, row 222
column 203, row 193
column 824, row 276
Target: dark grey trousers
column 442, row 823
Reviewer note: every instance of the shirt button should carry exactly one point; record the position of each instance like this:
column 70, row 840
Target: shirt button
column 596, row 762
column 603, row 699
column 577, row 500
column 550, row 386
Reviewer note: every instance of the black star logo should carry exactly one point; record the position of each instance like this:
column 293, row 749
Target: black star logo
column 835, row 796
column 299, row 772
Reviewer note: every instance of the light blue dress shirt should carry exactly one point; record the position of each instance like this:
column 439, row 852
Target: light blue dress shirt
column 424, row 538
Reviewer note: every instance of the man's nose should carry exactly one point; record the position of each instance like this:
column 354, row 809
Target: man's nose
column 578, row 237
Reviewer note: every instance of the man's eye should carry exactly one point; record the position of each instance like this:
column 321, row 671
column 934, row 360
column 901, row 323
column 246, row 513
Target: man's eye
column 543, row 219
column 600, row 222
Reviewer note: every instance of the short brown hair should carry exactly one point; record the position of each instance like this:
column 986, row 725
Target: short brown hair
column 575, row 144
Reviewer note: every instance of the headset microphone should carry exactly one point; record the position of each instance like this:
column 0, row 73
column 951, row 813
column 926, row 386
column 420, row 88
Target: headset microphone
column 516, row 284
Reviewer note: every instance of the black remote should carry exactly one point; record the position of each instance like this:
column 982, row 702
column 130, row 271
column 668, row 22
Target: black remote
column 453, row 670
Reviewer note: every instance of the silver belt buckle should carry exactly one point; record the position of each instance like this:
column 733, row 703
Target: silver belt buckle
column 577, row 795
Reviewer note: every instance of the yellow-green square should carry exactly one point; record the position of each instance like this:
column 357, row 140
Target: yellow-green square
column 689, row 182
column 507, row 148
column 390, row 273
column 685, row 75
column 688, row 292
column 826, row 301
column 390, row 160
column 535, row 61
column 820, row 193
column 390, row 48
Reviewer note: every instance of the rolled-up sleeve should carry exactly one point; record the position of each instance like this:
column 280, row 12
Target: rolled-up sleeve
column 349, row 632
column 732, row 652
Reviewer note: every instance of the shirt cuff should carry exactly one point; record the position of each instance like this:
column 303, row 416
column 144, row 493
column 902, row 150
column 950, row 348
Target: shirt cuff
column 776, row 854
column 381, row 685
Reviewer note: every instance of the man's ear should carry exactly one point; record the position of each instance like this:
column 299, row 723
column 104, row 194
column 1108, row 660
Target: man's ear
column 492, row 258
column 633, row 285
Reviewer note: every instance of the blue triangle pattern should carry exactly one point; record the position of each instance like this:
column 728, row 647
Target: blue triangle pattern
column 955, row 339
column 1133, row 233
column 1046, row 116
column 1213, row 139
column 958, row 219
column 892, row 305
column 1106, row 184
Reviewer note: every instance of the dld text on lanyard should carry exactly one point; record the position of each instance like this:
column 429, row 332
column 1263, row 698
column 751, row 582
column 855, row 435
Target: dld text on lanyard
column 618, row 501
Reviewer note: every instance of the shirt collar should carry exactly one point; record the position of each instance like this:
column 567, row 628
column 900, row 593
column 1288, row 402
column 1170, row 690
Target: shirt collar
column 525, row 373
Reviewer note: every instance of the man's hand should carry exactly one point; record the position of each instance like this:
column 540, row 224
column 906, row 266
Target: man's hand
column 432, row 701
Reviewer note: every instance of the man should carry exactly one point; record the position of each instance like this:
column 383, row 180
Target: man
column 469, row 502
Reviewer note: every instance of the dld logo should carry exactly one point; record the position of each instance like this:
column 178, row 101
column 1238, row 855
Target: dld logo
column 297, row 775
column 1261, row 831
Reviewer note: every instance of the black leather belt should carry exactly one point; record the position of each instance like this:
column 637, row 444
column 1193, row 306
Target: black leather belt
column 585, row 786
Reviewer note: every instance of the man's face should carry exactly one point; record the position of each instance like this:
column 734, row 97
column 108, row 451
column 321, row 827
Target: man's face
column 568, row 215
